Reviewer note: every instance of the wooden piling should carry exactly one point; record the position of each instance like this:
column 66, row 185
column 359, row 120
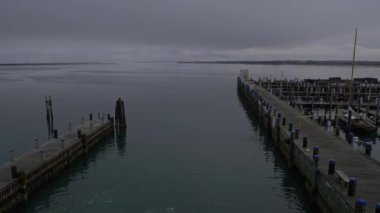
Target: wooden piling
column 120, row 121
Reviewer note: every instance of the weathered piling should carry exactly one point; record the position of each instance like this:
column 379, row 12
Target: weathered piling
column 49, row 116
column 120, row 121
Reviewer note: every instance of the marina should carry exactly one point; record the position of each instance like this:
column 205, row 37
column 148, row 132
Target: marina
column 338, row 178
column 332, row 96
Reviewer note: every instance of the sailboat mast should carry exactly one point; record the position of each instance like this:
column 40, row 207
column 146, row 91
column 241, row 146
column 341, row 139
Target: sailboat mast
column 352, row 69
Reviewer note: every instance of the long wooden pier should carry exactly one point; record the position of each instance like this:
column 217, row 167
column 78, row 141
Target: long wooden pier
column 339, row 178
column 25, row 173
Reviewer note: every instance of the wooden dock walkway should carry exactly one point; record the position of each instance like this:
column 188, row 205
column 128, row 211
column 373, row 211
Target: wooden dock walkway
column 25, row 173
column 38, row 165
column 50, row 149
column 328, row 191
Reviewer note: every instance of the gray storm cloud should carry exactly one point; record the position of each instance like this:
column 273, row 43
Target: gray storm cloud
column 179, row 29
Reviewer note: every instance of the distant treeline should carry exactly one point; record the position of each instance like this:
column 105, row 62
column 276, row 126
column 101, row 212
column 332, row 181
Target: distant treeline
column 291, row 62
column 52, row 63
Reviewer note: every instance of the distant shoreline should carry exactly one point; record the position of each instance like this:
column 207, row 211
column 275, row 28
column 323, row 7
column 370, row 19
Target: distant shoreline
column 290, row 62
column 52, row 63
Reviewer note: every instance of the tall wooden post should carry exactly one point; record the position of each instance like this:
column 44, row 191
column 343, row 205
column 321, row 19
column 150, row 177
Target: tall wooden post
column 120, row 121
column 49, row 116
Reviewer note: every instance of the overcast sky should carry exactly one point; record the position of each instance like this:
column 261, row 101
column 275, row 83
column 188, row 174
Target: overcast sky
column 169, row 30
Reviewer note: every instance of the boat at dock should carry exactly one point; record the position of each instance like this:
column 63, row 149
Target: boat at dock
column 357, row 123
column 353, row 120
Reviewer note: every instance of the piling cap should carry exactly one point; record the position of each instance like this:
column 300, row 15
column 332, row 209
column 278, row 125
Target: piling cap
column 353, row 180
column 315, row 157
column 297, row 129
column 315, row 147
column 332, row 161
column 361, row 202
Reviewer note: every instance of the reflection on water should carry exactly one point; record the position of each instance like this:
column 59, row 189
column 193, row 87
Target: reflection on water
column 79, row 170
column 121, row 141
column 291, row 187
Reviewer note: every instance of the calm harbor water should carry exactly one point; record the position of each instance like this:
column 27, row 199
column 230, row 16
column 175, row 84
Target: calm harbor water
column 190, row 145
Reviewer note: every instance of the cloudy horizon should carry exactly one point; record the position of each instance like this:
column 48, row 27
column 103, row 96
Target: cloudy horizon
column 172, row 30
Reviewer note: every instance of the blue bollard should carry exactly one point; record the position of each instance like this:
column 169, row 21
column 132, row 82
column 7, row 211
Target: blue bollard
column 350, row 137
column 316, row 150
column 352, row 187
column 297, row 133
column 316, row 159
column 332, row 164
column 304, row 142
column 377, row 208
column 368, row 149
column 360, row 206
column 290, row 127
